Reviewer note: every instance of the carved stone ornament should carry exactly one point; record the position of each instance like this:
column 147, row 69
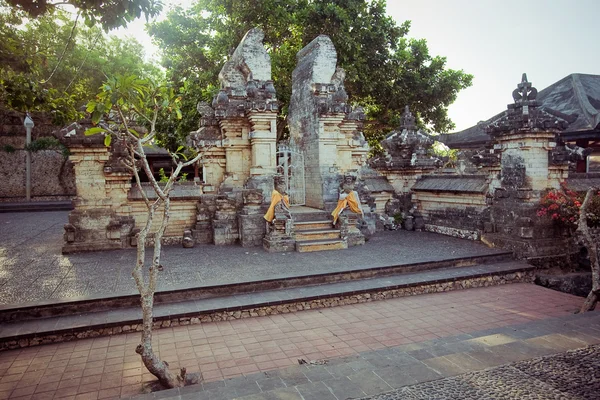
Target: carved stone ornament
column 525, row 114
column 406, row 147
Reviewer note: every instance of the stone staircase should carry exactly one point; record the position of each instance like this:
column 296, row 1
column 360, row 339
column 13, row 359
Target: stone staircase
column 317, row 236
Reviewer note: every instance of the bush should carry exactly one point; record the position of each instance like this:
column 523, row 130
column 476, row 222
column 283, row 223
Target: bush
column 563, row 207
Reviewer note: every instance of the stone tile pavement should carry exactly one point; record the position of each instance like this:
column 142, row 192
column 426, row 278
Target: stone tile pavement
column 574, row 374
column 259, row 356
column 32, row 267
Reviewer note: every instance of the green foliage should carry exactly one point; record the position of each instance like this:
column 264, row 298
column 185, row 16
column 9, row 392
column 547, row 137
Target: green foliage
column 130, row 107
column 55, row 64
column 47, row 143
column 385, row 69
column 8, row 148
column 162, row 176
column 398, row 218
column 108, row 13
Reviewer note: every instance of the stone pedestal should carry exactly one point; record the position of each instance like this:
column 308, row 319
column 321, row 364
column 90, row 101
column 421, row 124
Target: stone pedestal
column 279, row 236
column 225, row 224
column 251, row 221
column 203, row 231
column 348, row 225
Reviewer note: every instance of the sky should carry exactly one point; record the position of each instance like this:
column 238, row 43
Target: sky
column 495, row 40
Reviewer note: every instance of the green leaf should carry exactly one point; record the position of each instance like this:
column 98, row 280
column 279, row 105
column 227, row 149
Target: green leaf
column 91, row 106
column 107, row 140
column 94, row 130
column 180, row 148
column 134, row 132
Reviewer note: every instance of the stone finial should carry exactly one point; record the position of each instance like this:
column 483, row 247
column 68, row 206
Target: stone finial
column 245, row 78
column 408, row 120
column 406, row 147
column 525, row 114
column 249, row 61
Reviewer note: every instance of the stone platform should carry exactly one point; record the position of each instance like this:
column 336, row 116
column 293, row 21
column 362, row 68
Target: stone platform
column 210, row 283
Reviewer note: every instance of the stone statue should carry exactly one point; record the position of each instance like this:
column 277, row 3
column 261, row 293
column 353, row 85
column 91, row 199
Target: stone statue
column 348, row 198
column 280, row 201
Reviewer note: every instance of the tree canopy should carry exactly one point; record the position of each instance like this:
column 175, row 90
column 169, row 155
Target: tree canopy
column 108, row 13
column 55, row 63
column 386, row 70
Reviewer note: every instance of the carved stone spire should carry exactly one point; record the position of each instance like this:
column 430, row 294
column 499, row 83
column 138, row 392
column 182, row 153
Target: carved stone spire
column 525, row 114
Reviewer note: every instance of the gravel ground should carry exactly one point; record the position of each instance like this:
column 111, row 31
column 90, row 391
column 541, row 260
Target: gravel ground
column 571, row 375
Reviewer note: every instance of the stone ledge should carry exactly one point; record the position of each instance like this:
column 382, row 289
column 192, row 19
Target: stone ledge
column 277, row 307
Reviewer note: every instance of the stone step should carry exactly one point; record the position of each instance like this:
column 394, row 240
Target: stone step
column 115, row 301
column 310, row 216
column 24, row 333
column 312, row 225
column 320, row 234
column 63, row 205
column 321, row 245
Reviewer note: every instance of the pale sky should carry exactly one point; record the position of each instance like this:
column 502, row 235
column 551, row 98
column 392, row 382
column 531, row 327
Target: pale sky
column 496, row 41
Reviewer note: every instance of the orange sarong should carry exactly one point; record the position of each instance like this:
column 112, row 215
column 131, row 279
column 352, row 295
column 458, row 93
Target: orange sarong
column 276, row 197
column 350, row 201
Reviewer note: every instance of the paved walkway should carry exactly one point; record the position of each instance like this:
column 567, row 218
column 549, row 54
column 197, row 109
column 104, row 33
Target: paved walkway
column 257, row 354
column 574, row 374
column 32, row 267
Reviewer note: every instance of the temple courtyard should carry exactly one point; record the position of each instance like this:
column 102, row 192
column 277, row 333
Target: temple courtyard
column 453, row 320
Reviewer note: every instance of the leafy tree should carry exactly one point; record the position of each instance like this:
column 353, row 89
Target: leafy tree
column 108, row 13
column 131, row 108
column 55, row 64
column 385, row 69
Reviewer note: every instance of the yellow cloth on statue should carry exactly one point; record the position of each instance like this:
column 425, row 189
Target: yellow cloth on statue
column 276, row 197
column 350, row 201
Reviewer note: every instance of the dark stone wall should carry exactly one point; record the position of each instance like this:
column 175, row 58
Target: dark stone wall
column 52, row 175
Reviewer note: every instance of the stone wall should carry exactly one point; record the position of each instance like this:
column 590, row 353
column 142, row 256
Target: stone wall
column 52, row 176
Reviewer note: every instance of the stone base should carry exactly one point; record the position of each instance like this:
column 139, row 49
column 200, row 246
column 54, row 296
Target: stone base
column 279, row 244
column 252, row 230
column 70, row 248
column 355, row 239
column 455, row 232
column 526, row 248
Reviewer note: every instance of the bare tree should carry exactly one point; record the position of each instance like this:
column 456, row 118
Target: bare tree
column 131, row 108
column 592, row 247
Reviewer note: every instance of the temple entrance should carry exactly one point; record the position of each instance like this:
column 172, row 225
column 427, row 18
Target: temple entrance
column 290, row 164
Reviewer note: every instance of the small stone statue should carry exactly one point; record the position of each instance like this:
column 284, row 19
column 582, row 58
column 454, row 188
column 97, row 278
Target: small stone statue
column 280, row 201
column 348, row 198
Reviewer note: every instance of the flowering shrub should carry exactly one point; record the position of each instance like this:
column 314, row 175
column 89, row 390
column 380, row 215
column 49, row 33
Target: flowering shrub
column 563, row 207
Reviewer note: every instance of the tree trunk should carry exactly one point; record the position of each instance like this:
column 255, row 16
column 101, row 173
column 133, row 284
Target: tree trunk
column 592, row 299
column 155, row 365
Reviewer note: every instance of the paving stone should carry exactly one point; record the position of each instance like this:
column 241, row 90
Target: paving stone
column 344, row 388
column 444, row 366
column 316, row 390
column 370, row 383
column 395, row 377
column 317, row 373
column 270, row 383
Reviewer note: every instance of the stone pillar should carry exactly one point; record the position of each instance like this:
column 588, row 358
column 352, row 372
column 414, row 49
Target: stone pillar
column 318, row 109
column 251, row 221
column 237, row 152
column 100, row 220
column 241, row 123
column 263, row 140
column 225, row 224
column 525, row 137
